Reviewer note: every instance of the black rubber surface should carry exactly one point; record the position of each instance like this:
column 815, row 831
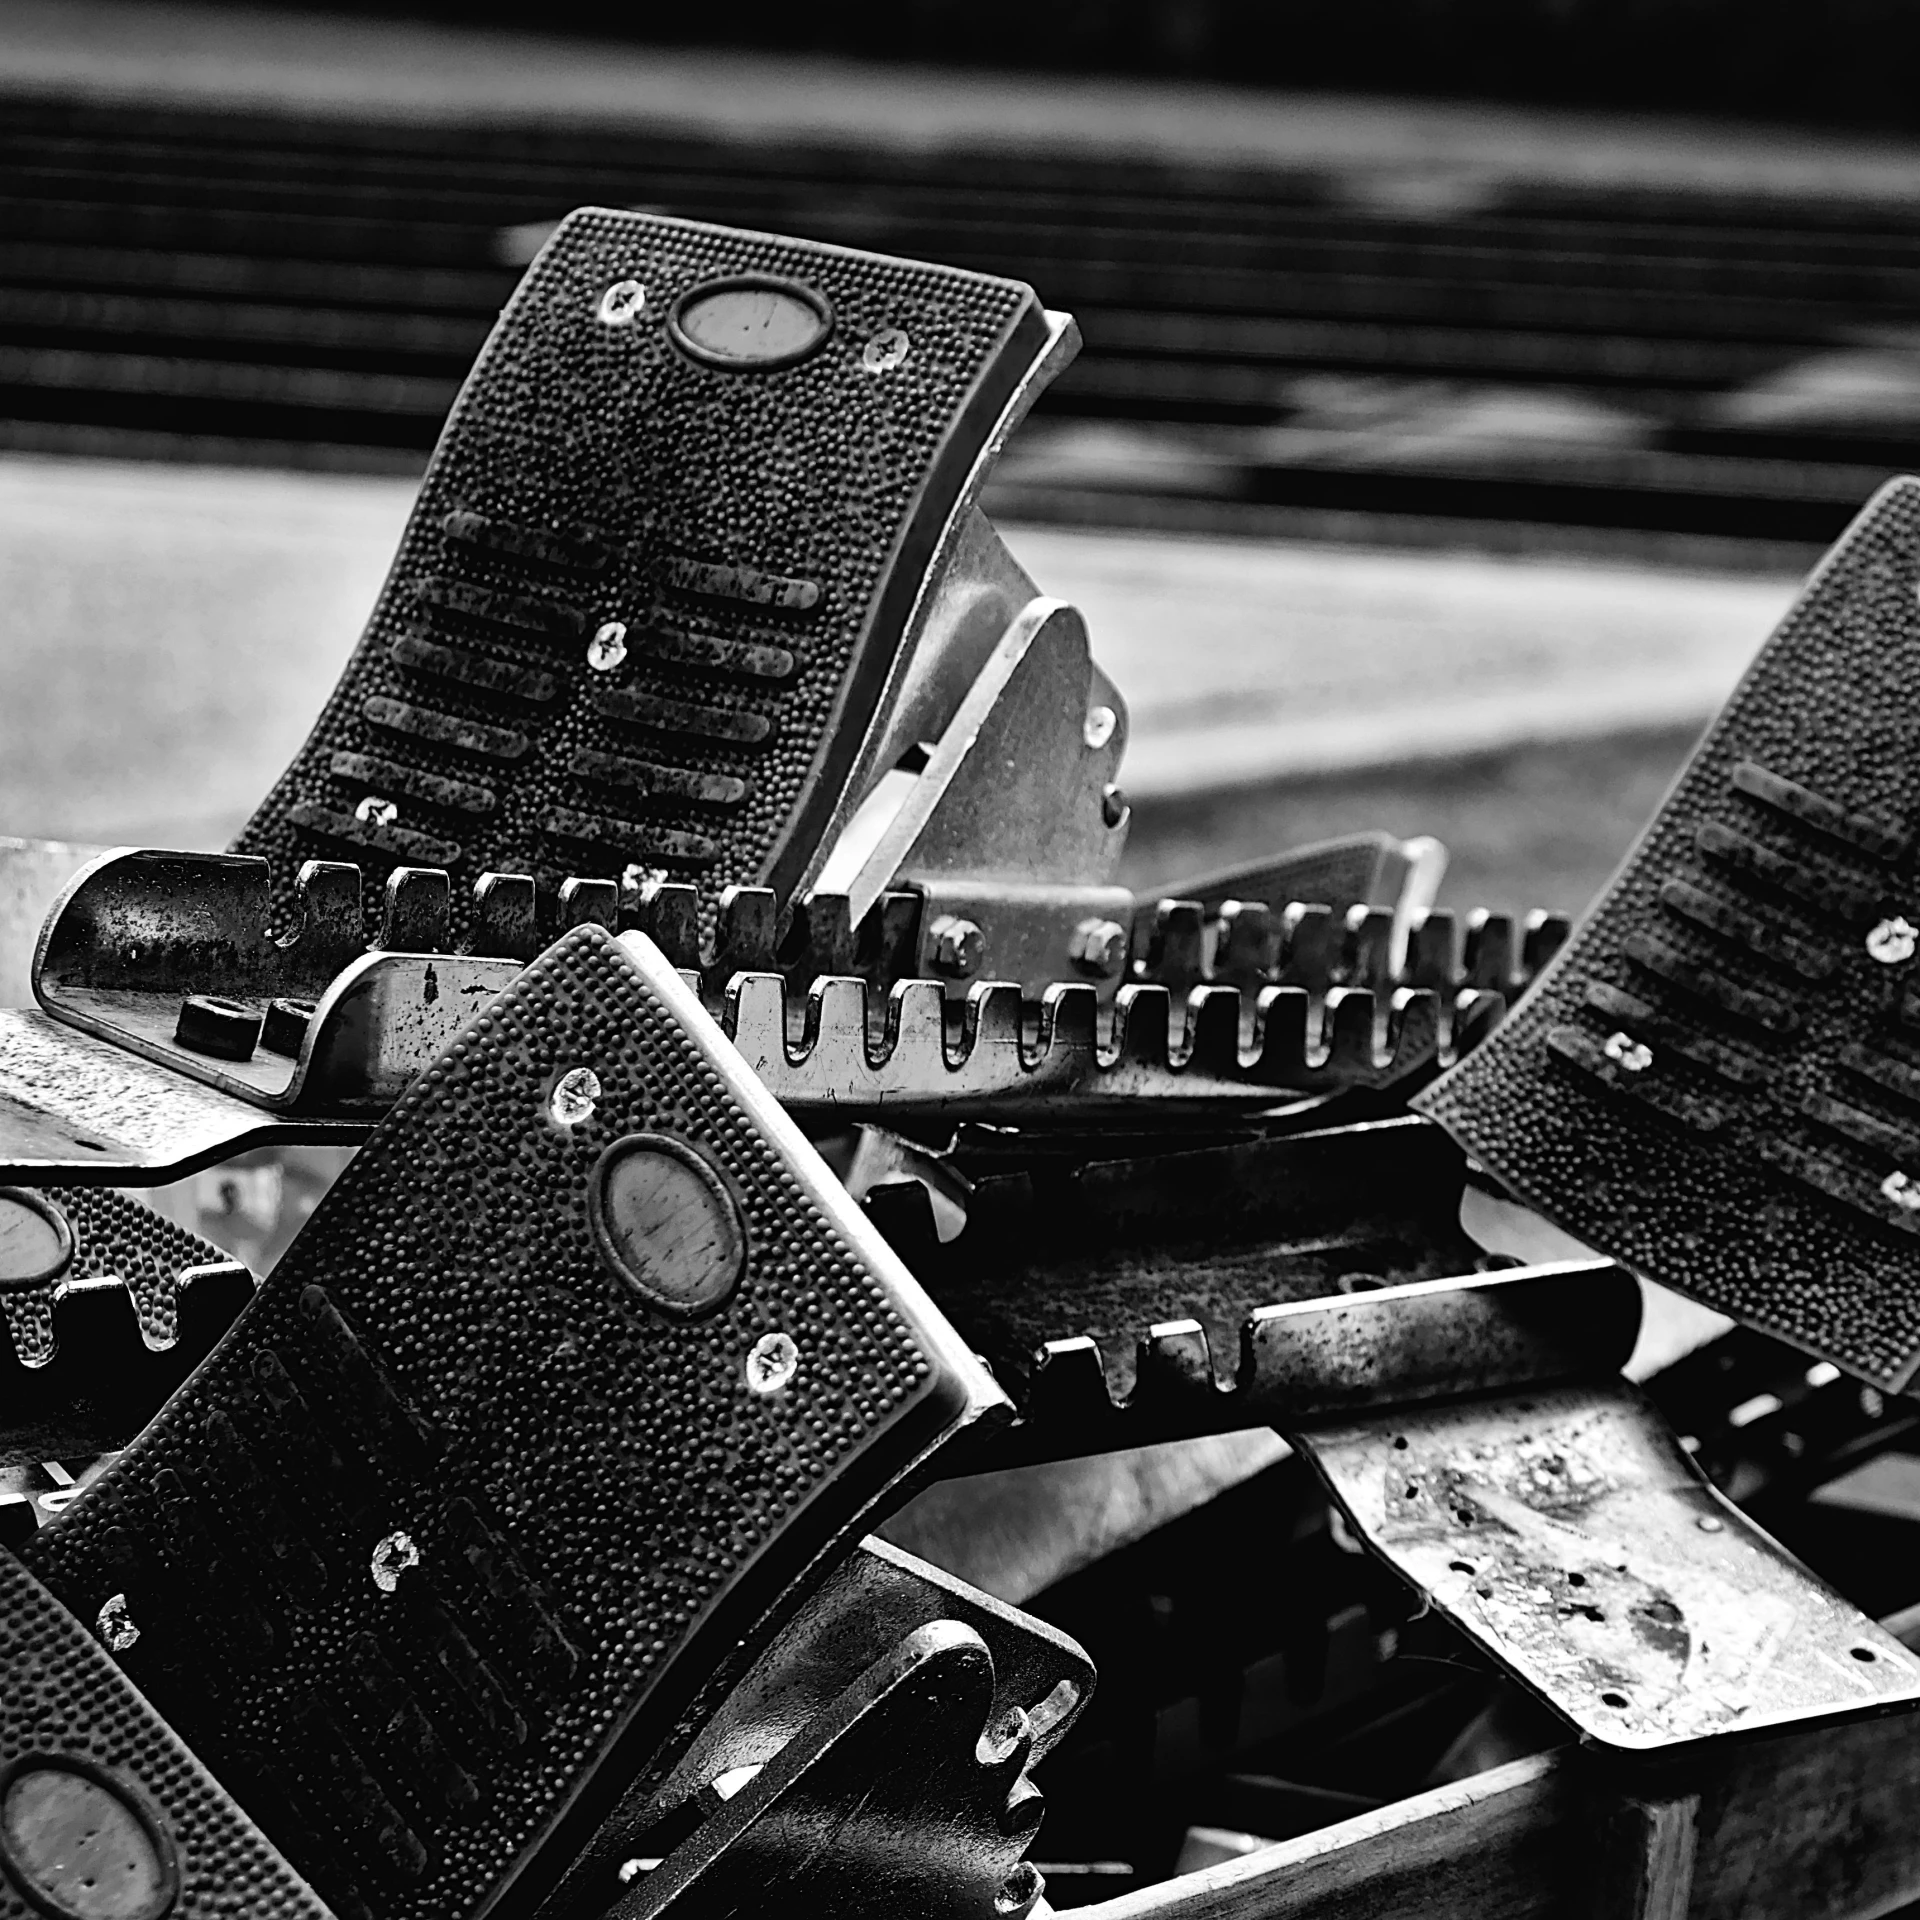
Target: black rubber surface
column 737, row 547
column 431, row 1553
column 103, row 1813
column 1718, row 1082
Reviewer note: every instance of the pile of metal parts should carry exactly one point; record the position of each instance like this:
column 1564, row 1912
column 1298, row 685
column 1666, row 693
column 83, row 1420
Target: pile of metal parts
column 823, row 1267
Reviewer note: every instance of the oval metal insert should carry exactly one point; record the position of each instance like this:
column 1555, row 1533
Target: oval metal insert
column 665, row 1220
column 750, row 323
column 80, row 1846
column 36, row 1240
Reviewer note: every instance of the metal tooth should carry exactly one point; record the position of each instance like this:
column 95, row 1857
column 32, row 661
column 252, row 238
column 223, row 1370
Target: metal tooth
column 669, row 915
column 903, row 1211
column 1433, row 951
column 1176, row 955
column 505, row 925
column 1248, row 947
column 888, row 939
column 993, row 1016
column 597, row 901
column 1213, row 1030
column 1070, row 1019
column 1069, row 1384
column 915, row 1042
column 1281, row 1015
column 1143, row 1027
column 1476, row 1013
column 822, row 937
column 1546, row 934
column 744, row 933
column 1311, row 939
column 1347, row 1032
column 1174, row 1361
column 1489, row 959
column 1366, row 958
column 415, row 914
column 207, row 1301
column 96, row 1319
column 332, row 933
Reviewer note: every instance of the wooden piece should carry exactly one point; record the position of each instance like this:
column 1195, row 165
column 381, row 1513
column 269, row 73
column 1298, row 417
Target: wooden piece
column 1647, row 1850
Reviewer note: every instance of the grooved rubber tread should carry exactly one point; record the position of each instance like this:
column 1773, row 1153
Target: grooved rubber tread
column 116, row 1238
column 1713, row 1082
column 599, row 1504
column 62, row 1697
column 759, row 537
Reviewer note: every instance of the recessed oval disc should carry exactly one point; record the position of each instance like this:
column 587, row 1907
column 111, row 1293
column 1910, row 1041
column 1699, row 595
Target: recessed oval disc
column 36, row 1243
column 753, row 321
column 77, row 1845
column 665, row 1219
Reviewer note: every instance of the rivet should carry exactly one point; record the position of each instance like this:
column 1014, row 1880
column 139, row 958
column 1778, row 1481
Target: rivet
column 772, row 1361
column 1903, row 1190
column 392, row 1557
column 886, row 350
column 575, row 1095
column 115, row 1625
column 1101, row 722
column 1634, row 1055
column 374, row 811
column 608, row 647
column 1893, row 941
column 1710, row 1523
column 623, row 303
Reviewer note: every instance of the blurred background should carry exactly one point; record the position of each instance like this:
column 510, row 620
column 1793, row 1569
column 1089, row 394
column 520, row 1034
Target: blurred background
column 1466, row 382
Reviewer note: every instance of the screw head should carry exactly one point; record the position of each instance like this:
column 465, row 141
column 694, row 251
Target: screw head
column 574, row 1097
column 1101, row 722
column 608, row 647
column 622, row 304
column 1634, row 1055
column 772, row 1361
column 393, row 1555
column 1098, row 947
column 115, row 1624
column 886, row 350
column 956, row 946
column 1893, row 941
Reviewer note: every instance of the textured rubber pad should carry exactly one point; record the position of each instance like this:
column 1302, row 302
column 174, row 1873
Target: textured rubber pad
column 1718, row 1080
column 104, row 1815
column 661, row 563
column 575, row 1377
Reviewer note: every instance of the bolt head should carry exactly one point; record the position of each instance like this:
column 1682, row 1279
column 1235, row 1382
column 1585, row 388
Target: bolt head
column 957, row 947
column 1098, row 947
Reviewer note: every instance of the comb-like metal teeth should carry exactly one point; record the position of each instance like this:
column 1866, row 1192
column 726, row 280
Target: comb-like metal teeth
column 590, row 903
column 504, row 923
column 416, row 913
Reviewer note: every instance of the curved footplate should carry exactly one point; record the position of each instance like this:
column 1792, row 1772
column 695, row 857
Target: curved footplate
column 103, row 1812
column 651, row 596
column 574, row 1384
column 1718, row 1081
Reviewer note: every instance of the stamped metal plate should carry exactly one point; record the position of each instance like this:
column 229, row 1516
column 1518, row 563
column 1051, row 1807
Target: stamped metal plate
column 1569, row 1535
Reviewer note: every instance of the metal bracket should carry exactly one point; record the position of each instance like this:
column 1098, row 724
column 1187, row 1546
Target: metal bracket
column 1567, row 1533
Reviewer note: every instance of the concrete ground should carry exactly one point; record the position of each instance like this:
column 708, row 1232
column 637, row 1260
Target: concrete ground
column 167, row 634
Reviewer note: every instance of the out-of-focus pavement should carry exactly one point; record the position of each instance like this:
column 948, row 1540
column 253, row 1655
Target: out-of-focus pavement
column 167, row 635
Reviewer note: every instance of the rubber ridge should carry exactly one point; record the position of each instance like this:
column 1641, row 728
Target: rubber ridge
column 67, row 1711
column 1718, row 1080
column 438, row 1543
column 645, row 607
